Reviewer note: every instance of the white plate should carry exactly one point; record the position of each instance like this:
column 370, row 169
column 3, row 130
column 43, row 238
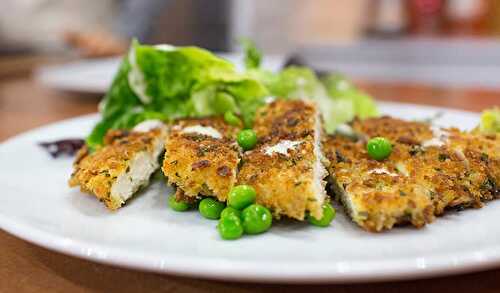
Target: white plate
column 95, row 75
column 86, row 76
column 37, row 205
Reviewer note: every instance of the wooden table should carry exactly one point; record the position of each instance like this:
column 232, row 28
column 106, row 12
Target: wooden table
column 28, row 268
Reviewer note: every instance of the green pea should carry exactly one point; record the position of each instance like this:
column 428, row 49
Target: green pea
column 230, row 227
column 379, row 148
column 178, row 206
column 328, row 216
column 256, row 219
column 223, row 102
column 247, row 139
column 211, row 208
column 241, row 196
column 231, row 119
column 230, row 211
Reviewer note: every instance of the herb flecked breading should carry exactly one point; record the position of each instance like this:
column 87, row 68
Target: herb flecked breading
column 200, row 164
column 115, row 171
column 419, row 179
column 288, row 181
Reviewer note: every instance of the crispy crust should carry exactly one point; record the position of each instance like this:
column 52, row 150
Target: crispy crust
column 462, row 172
column 201, row 164
column 375, row 200
column 455, row 173
column 396, row 130
column 96, row 172
column 285, row 183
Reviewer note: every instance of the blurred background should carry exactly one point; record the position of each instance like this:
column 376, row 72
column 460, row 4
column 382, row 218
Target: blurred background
column 57, row 57
column 105, row 27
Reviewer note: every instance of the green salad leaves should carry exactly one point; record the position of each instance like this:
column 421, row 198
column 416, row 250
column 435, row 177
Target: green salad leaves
column 490, row 121
column 338, row 99
column 165, row 82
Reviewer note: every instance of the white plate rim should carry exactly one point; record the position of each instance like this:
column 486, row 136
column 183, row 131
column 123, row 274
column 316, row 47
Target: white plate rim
column 235, row 270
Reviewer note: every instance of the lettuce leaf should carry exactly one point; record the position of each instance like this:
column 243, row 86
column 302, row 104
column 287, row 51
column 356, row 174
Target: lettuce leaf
column 119, row 100
column 166, row 82
column 338, row 100
column 490, row 121
column 339, row 87
column 253, row 56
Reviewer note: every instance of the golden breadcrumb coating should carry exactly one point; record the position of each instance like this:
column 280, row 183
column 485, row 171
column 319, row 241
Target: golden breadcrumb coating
column 375, row 194
column 97, row 172
column 430, row 169
column 285, row 167
column 455, row 170
column 200, row 164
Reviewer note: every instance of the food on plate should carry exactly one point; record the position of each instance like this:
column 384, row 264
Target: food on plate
column 458, row 162
column 247, row 139
column 286, row 167
column 490, row 121
column 429, row 170
column 246, row 146
column 339, row 100
column 116, row 171
column 379, row 148
column 201, row 157
column 256, row 219
column 374, row 195
column 211, row 208
column 178, row 205
column 167, row 82
column 241, row 196
column 230, row 227
column 329, row 214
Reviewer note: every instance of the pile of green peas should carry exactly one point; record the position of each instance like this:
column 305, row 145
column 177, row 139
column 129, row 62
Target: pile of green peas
column 242, row 215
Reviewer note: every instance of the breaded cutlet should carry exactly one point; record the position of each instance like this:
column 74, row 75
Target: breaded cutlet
column 114, row 172
column 454, row 165
column 375, row 194
column 286, row 167
column 201, row 157
column 430, row 170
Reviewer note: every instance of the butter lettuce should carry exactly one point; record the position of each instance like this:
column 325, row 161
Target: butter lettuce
column 166, row 82
column 118, row 101
column 337, row 106
column 339, row 88
column 338, row 99
column 253, row 56
column 490, row 121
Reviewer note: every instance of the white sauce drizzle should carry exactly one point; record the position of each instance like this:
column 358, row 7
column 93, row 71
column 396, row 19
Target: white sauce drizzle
column 440, row 137
column 205, row 130
column 380, row 171
column 148, row 125
column 269, row 99
column 282, row 147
